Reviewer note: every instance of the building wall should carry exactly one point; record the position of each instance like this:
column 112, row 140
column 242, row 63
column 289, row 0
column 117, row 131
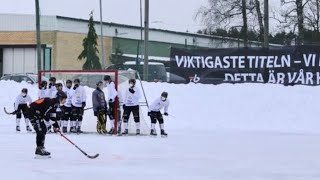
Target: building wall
column 17, row 37
column 67, row 48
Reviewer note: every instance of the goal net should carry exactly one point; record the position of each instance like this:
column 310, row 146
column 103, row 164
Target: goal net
column 88, row 80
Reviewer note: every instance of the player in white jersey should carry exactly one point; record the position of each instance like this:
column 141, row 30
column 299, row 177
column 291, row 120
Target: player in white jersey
column 43, row 90
column 78, row 101
column 21, row 105
column 131, row 104
column 67, row 109
column 155, row 114
column 52, row 89
column 112, row 94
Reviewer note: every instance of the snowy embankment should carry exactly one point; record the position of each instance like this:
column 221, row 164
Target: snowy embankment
column 253, row 107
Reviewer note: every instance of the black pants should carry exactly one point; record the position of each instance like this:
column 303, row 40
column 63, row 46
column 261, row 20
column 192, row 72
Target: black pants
column 41, row 130
column 77, row 113
column 23, row 108
column 111, row 111
column 67, row 113
column 127, row 111
column 156, row 115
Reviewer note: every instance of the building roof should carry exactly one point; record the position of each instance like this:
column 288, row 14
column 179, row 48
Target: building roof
column 23, row 22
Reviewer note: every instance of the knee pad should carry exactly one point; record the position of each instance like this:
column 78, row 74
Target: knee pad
column 80, row 118
column 136, row 119
column 125, row 119
column 18, row 115
column 153, row 120
column 160, row 120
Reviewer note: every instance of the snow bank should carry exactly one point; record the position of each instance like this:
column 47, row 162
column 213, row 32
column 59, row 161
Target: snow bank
column 253, row 107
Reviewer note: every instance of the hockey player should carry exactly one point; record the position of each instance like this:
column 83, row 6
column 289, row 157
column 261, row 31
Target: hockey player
column 112, row 94
column 67, row 110
column 131, row 104
column 78, row 103
column 52, row 89
column 44, row 110
column 100, row 107
column 51, row 93
column 60, row 108
column 155, row 114
column 21, row 105
column 43, row 90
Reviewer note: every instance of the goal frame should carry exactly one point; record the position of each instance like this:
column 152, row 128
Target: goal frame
column 116, row 80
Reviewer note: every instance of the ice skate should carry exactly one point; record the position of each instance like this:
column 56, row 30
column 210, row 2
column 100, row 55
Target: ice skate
column 153, row 133
column 41, row 153
column 18, row 128
column 163, row 133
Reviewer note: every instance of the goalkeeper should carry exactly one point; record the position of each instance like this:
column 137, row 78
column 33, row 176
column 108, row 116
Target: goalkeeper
column 100, row 107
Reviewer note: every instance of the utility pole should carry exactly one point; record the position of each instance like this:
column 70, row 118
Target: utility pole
column 101, row 37
column 266, row 24
column 146, row 41
column 38, row 35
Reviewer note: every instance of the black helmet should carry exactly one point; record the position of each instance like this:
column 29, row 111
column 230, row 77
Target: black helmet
column 52, row 79
column 132, row 81
column 107, row 78
column 99, row 83
column 61, row 95
column 76, row 81
column 24, row 90
column 68, row 81
column 164, row 94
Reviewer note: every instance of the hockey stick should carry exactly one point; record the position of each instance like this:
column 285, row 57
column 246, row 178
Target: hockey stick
column 9, row 113
column 170, row 115
column 91, row 157
column 88, row 108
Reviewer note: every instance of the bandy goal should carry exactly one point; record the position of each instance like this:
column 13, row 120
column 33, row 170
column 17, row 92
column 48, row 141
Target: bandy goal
column 88, row 79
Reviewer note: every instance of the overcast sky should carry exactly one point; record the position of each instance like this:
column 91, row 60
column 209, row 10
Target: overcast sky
column 177, row 15
column 166, row 14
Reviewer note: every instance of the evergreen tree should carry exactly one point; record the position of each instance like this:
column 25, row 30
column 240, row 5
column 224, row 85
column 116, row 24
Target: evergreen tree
column 90, row 50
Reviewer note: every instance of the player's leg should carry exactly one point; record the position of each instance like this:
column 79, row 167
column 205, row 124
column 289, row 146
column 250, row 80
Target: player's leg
column 136, row 117
column 18, row 118
column 161, row 124
column 66, row 116
column 111, row 114
column 26, row 119
column 126, row 114
column 41, row 130
column 73, row 122
column 79, row 118
column 153, row 118
column 102, row 121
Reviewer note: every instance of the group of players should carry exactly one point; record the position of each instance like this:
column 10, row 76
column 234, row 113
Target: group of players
column 57, row 105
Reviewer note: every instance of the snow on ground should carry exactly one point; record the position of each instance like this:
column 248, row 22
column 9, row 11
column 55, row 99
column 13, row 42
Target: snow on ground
column 243, row 132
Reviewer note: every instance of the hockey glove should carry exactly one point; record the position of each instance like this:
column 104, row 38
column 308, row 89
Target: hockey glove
column 110, row 100
column 149, row 114
column 131, row 90
column 75, row 86
column 83, row 104
column 166, row 114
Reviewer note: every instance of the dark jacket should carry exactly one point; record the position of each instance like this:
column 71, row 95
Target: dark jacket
column 99, row 102
column 44, row 108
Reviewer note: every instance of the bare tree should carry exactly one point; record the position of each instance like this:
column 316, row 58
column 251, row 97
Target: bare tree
column 226, row 14
column 312, row 15
column 293, row 15
column 260, row 19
